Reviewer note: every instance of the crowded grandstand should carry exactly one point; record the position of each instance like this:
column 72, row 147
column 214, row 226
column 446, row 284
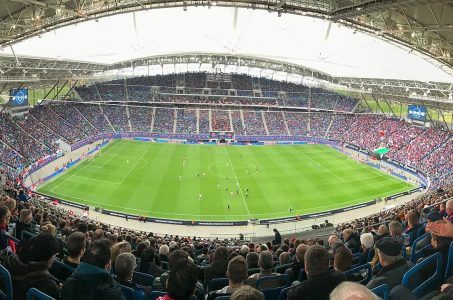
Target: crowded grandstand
column 153, row 129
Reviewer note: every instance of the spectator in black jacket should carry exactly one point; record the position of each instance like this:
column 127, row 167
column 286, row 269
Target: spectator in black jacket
column 218, row 267
column 4, row 221
column 24, row 223
column 147, row 263
column 277, row 237
column 75, row 244
column 31, row 268
column 92, row 279
column 393, row 264
column 321, row 281
column 351, row 240
column 294, row 271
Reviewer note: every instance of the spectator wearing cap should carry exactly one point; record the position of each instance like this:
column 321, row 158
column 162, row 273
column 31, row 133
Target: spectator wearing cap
column 236, row 273
column 393, row 264
column 92, row 279
column 320, row 280
column 30, row 269
column 266, row 263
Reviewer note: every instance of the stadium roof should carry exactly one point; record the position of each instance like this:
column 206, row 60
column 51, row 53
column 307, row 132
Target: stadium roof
column 114, row 33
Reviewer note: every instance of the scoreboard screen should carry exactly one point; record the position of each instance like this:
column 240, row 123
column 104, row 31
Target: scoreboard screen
column 416, row 112
column 221, row 135
column 19, row 97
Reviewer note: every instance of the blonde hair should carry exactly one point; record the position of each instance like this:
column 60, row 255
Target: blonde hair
column 119, row 248
column 49, row 228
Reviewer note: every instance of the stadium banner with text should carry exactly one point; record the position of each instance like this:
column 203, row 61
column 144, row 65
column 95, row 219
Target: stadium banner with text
column 416, row 112
column 19, row 97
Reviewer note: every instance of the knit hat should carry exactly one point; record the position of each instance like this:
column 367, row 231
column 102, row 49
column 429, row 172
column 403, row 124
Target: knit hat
column 389, row 246
column 41, row 247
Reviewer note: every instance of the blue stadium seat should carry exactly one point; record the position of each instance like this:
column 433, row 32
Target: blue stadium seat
column 362, row 270
column 7, row 284
column 418, row 245
column 37, row 294
column 268, row 282
column 449, row 269
column 421, row 230
column 382, row 291
column 272, row 293
column 128, row 293
column 155, row 294
column 282, row 268
column 284, row 293
column 429, row 284
column 217, row 284
column 302, row 275
column 143, row 279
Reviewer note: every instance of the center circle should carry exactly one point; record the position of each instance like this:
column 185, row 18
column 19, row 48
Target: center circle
column 225, row 169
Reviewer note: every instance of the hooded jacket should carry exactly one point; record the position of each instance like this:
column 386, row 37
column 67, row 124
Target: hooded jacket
column 90, row 282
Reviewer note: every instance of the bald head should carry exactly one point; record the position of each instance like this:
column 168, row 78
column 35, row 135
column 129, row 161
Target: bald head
column 352, row 291
column 332, row 240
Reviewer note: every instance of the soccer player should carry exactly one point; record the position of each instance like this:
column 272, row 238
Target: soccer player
column 228, row 207
column 204, row 174
column 200, row 196
column 180, row 178
column 198, row 175
column 246, row 194
column 127, row 161
column 231, row 194
column 218, row 186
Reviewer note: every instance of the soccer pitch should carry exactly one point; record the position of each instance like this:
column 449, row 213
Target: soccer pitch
column 165, row 181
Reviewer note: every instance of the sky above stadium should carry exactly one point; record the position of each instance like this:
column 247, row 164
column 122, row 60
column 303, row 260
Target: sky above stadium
column 296, row 39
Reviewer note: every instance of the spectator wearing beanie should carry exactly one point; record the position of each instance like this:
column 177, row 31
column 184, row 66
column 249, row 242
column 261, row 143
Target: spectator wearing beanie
column 393, row 264
column 30, row 269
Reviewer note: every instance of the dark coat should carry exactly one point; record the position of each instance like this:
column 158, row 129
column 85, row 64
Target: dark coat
column 316, row 287
column 353, row 243
column 392, row 275
column 217, row 269
column 89, row 282
column 151, row 268
column 22, row 226
column 31, row 275
column 293, row 272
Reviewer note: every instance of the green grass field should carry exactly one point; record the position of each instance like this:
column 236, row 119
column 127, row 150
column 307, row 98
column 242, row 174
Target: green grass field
column 143, row 178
